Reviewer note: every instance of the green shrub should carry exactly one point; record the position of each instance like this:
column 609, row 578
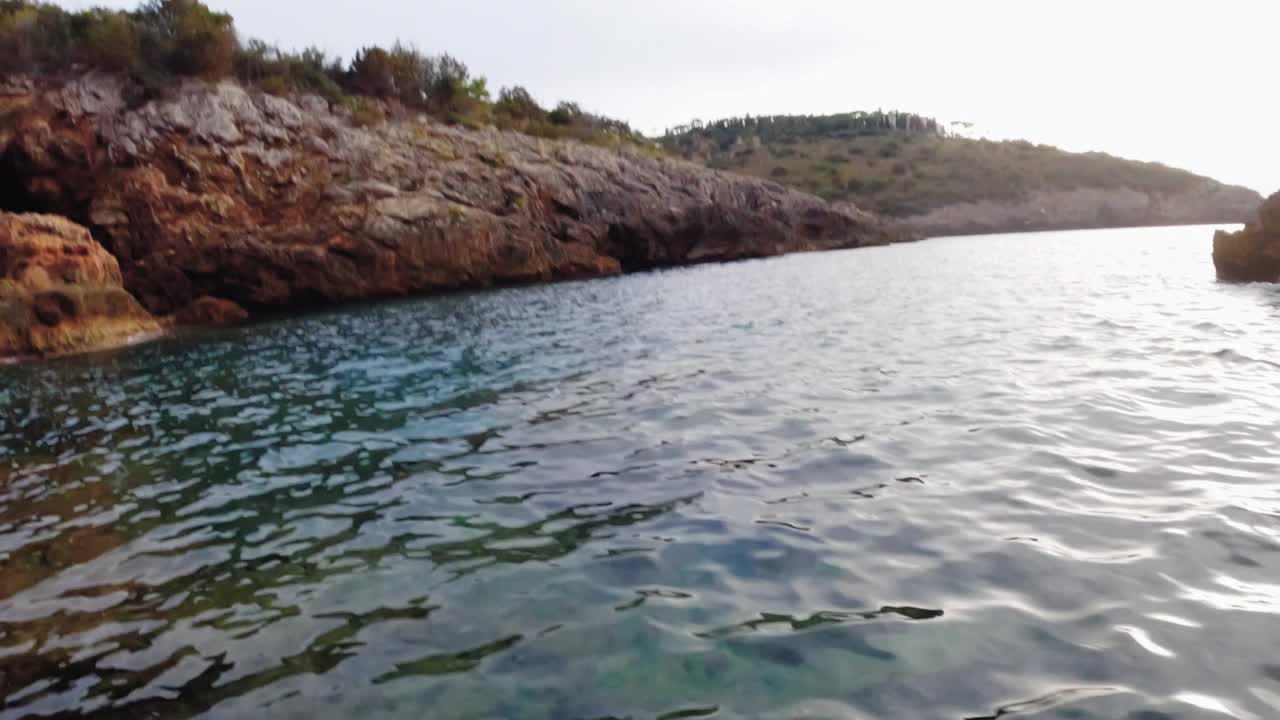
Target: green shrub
column 34, row 37
column 205, row 43
column 109, row 40
column 566, row 113
column 441, row 85
column 371, row 73
column 365, row 111
column 516, row 102
column 186, row 37
column 314, row 72
column 409, row 73
column 279, row 73
column 275, row 85
column 450, row 90
column 165, row 39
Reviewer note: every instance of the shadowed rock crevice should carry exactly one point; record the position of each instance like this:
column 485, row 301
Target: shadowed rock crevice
column 14, row 195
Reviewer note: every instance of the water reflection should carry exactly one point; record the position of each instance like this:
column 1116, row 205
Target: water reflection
column 964, row 479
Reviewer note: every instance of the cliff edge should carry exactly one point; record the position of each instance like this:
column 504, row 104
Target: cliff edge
column 217, row 191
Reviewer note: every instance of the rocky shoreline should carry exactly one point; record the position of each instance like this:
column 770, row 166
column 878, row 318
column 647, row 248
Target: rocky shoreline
column 273, row 203
column 60, row 292
column 1252, row 254
column 216, row 202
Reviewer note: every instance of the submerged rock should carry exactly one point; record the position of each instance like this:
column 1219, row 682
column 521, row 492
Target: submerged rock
column 211, row 311
column 1252, row 254
column 215, row 190
column 60, row 292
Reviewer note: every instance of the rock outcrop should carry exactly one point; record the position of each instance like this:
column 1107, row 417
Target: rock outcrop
column 1085, row 208
column 211, row 311
column 60, row 291
column 1252, row 254
column 271, row 203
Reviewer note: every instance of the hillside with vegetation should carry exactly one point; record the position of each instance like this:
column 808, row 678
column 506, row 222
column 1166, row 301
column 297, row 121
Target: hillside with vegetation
column 155, row 156
column 907, row 166
column 165, row 41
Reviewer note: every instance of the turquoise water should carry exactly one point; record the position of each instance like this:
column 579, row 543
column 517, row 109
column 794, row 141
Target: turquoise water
column 1023, row 476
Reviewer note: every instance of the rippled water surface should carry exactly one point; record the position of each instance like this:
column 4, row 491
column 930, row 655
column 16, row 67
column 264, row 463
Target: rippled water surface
column 1020, row 476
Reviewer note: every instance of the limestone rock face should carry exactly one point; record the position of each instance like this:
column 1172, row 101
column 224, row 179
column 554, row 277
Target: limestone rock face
column 1253, row 254
column 269, row 202
column 60, row 292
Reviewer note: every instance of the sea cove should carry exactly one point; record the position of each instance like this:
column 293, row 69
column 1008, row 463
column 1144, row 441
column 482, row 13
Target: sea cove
column 971, row 477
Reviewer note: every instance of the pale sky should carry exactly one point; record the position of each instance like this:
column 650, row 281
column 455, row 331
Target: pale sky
column 1185, row 82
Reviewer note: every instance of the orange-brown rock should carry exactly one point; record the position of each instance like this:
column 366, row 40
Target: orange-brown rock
column 214, row 190
column 60, row 291
column 1252, row 254
column 211, row 311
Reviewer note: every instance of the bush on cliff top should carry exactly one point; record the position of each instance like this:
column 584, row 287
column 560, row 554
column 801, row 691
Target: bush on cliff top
column 162, row 38
column 167, row 39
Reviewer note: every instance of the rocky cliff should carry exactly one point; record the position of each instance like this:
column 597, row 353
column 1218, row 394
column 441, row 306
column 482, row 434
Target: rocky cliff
column 271, row 202
column 1083, row 208
column 60, row 291
column 1253, row 254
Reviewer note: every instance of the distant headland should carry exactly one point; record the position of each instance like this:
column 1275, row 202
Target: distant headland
column 916, row 170
column 153, row 155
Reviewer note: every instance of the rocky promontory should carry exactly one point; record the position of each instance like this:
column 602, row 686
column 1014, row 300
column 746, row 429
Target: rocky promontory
column 1205, row 202
column 60, row 291
column 909, row 168
column 214, row 192
column 1252, row 254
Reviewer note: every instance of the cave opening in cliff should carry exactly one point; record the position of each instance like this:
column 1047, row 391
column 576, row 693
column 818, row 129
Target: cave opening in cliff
column 15, row 196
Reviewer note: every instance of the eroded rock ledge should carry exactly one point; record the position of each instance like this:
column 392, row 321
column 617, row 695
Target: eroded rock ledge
column 1253, row 254
column 271, row 202
column 60, row 291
